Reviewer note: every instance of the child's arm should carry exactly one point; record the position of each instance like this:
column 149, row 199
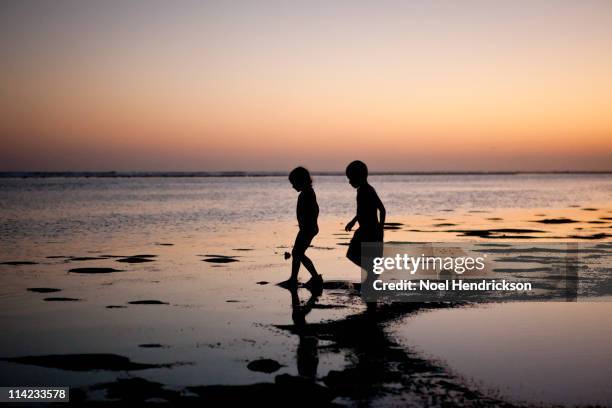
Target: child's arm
column 381, row 209
column 350, row 224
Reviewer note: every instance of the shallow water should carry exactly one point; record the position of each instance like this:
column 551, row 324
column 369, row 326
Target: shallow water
column 251, row 218
column 551, row 353
column 59, row 209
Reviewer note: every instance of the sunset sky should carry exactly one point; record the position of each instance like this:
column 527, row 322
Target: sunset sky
column 267, row 85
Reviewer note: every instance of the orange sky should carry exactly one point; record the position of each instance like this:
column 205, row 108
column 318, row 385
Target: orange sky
column 413, row 86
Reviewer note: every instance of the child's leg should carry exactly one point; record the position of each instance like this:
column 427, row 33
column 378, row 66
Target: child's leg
column 299, row 247
column 295, row 266
column 309, row 266
column 302, row 242
column 307, row 239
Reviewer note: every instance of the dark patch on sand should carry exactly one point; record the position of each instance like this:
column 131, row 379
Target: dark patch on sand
column 343, row 243
column 147, row 302
column 262, row 282
column 135, row 391
column 594, row 256
column 515, row 230
column 498, row 233
column 605, row 218
column 445, row 224
column 85, row 258
column 504, row 236
column 243, row 249
column 134, row 259
column 142, row 256
column 56, row 256
column 44, row 290
column 94, row 270
column 590, row 209
column 264, row 365
column 286, row 391
column 116, row 307
column 546, row 260
column 84, row 362
column 597, row 222
column 163, row 244
column 546, row 250
column 393, row 224
column 327, row 307
column 556, row 221
column 152, row 345
column 224, row 259
column 16, row 263
column 232, row 301
column 61, row 299
column 601, row 235
column 495, row 219
column 478, row 211
column 519, row 270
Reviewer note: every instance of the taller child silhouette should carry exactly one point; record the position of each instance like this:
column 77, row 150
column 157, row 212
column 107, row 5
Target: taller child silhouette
column 368, row 208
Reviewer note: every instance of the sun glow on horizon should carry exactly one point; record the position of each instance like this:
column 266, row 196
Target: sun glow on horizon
column 267, row 85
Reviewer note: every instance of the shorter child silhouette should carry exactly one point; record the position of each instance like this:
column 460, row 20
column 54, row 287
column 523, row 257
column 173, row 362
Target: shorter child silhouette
column 368, row 205
column 307, row 212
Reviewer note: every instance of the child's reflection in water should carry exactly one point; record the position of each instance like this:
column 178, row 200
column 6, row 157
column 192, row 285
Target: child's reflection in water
column 307, row 351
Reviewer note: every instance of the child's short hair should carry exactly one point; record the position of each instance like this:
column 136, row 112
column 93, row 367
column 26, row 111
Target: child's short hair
column 300, row 176
column 357, row 170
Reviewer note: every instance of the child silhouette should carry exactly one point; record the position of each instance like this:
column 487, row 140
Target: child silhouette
column 307, row 212
column 368, row 205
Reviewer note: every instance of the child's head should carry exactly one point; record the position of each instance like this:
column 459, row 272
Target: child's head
column 300, row 178
column 357, row 173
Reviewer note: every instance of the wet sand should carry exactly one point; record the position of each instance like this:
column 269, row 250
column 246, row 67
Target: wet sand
column 198, row 318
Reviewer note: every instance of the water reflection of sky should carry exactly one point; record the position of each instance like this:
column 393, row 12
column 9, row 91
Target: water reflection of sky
column 218, row 338
column 555, row 353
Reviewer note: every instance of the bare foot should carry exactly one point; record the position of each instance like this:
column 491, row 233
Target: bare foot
column 314, row 282
column 289, row 283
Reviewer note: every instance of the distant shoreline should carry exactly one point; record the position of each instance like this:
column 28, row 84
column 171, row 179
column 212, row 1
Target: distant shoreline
column 143, row 174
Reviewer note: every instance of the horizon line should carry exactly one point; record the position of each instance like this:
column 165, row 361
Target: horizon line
column 239, row 173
